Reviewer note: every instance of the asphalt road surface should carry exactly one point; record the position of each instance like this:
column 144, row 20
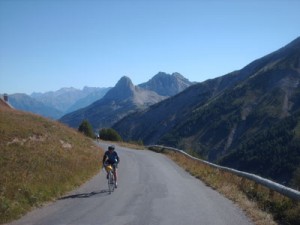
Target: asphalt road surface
column 152, row 190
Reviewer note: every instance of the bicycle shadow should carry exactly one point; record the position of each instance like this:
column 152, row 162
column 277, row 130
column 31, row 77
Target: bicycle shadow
column 85, row 195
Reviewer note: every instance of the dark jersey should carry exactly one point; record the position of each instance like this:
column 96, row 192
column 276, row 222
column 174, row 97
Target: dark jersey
column 111, row 157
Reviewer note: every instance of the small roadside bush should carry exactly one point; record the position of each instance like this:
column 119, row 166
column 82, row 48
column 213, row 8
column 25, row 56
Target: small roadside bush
column 109, row 134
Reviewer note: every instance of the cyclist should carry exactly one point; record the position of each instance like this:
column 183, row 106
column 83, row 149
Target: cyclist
column 111, row 158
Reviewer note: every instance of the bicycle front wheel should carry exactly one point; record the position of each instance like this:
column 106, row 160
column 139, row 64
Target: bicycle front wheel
column 111, row 182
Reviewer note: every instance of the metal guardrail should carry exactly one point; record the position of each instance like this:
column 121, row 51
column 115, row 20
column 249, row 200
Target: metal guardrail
column 286, row 191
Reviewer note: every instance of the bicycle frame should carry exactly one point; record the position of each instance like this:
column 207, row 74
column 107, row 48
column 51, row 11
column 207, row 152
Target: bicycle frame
column 111, row 178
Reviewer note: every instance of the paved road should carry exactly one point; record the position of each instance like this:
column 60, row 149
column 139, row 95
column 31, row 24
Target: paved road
column 152, row 190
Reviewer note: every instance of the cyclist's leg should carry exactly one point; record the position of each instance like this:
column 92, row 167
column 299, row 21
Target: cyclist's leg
column 116, row 174
column 105, row 165
column 115, row 171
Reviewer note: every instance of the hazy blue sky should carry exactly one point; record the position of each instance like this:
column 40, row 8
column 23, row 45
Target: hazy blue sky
column 49, row 44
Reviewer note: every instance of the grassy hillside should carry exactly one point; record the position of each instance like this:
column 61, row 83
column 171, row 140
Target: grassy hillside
column 40, row 160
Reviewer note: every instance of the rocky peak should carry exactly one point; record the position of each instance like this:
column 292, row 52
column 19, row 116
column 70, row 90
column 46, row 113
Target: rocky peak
column 125, row 82
column 122, row 90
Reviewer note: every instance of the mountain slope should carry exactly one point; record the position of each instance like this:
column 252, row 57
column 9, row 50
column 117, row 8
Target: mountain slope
column 171, row 111
column 219, row 118
column 89, row 98
column 165, row 115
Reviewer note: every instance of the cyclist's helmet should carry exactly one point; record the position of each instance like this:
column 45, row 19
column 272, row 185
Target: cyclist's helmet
column 112, row 147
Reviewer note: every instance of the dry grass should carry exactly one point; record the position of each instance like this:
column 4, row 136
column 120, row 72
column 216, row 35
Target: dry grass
column 40, row 160
column 263, row 206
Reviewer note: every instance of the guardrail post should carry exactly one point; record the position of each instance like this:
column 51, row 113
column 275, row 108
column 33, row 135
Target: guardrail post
column 242, row 183
column 255, row 187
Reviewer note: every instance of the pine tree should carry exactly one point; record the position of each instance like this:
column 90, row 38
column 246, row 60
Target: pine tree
column 86, row 128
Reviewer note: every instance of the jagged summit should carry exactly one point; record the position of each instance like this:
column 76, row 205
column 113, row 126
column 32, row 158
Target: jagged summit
column 167, row 84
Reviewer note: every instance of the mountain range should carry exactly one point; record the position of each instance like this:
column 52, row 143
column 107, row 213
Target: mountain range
column 55, row 104
column 26, row 103
column 248, row 119
column 70, row 99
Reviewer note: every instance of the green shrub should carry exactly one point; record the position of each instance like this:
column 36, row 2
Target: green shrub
column 109, row 134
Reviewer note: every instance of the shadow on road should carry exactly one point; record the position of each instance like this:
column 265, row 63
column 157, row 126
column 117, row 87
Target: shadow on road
column 85, row 195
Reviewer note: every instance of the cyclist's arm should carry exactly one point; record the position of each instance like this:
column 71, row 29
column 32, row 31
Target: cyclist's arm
column 117, row 157
column 104, row 159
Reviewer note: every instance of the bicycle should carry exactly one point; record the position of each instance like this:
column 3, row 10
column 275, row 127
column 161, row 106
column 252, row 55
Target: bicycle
column 111, row 178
